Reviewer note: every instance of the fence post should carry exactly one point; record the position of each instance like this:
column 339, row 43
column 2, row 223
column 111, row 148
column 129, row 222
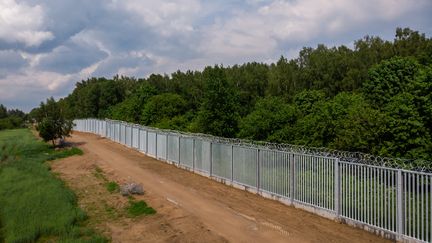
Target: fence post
column 211, row 159
column 146, row 150
column 119, row 132
column 131, row 136
column 292, row 179
column 232, row 163
column 193, row 154
column 156, row 145
column 179, row 141
column 166, row 148
column 139, row 138
column 336, row 188
column 400, row 222
column 258, row 182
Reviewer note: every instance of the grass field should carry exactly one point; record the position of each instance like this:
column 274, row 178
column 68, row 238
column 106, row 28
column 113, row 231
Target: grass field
column 34, row 204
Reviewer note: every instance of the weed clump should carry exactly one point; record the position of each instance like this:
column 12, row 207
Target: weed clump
column 112, row 187
column 137, row 208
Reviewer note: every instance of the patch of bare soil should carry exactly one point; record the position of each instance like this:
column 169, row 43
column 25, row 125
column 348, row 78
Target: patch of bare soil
column 107, row 211
column 190, row 208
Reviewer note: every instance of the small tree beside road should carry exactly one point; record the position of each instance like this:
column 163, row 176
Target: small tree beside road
column 52, row 123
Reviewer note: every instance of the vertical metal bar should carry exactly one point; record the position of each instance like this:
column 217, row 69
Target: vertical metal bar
column 429, row 207
column 428, row 182
column 139, row 138
column 146, row 141
column 232, row 163
column 336, row 187
column 314, row 177
column 166, row 148
column 193, row 154
column 399, row 204
column 258, row 170
column 355, row 188
column 292, row 179
column 350, row 193
column 303, row 178
column 416, row 198
column 320, row 183
column 422, row 207
column 156, row 139
column 211, row 159
column 179, row 141
column 375, row 186
column 364, row 208
column 131, row 136
column 385, row 206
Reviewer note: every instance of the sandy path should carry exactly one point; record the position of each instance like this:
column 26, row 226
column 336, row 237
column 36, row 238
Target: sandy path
column 232, row 214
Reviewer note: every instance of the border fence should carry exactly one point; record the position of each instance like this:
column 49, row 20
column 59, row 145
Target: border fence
column 392, row 202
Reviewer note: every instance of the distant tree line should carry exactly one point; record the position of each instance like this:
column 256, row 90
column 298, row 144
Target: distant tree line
column 11, row 118
column 374, row 98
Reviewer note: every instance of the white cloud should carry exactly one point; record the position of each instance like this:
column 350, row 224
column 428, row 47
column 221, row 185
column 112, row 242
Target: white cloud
column 167, row 17
column 260, row 32
column 48, row 45
column 22, row 23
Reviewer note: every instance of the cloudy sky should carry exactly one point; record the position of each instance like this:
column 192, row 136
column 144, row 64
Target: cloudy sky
column 46, row 46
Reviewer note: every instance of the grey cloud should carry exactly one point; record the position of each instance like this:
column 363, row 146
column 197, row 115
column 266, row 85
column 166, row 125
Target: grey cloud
column 71, row 58
column 10, row 62
column 115, row 38
column 115, row 65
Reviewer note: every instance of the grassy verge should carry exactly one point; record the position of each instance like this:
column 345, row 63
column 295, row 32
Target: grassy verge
column 34, row 204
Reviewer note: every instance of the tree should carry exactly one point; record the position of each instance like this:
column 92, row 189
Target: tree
column 3, row 111
column 218, row 114
column 406, row 135
column 162, row 108
column 52, row 124
column 389, row 78
column 269, row 115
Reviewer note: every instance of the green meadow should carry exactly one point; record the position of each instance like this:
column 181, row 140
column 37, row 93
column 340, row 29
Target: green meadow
column 36, row 206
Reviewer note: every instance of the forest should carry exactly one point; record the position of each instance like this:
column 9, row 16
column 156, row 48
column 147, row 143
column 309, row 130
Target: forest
column 375, row 97
column 11, row 118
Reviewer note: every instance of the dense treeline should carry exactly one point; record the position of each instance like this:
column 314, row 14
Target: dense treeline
column 375, row 98
column 12, row 118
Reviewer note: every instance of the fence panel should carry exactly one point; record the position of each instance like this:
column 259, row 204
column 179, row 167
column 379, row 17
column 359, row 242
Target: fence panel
column 135, row 137
column 245, row 166
column 222, row 160
column 142, row 140
column 369, row 195
column 202, row 155
column 173, row 148
column 161, row 146
column 151, row 143
column 186, row 151
column 274, row 176
column 314, row 181
column 128, row 135
column 417, row 208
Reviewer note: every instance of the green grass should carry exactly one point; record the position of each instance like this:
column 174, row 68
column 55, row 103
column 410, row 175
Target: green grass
column 98, row 173
column 34, row 203
column 112, row 187
column 137, row 208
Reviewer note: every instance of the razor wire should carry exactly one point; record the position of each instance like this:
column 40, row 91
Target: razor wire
column 420, row 165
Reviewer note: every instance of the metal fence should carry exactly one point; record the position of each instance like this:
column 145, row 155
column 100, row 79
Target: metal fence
column 394, row 203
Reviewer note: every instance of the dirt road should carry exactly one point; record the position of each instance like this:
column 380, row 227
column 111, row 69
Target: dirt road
column 199, row 209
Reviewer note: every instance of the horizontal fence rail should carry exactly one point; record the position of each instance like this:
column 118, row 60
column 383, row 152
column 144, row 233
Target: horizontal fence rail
column 394, row 203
